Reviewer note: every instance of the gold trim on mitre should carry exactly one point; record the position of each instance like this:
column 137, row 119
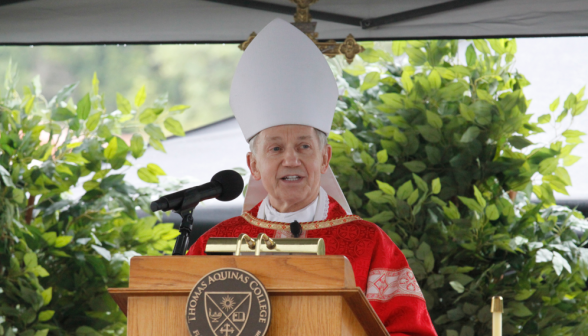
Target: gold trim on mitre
column 305, row 226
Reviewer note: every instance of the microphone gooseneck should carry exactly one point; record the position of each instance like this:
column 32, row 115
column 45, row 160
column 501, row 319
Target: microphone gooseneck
column 225, row 186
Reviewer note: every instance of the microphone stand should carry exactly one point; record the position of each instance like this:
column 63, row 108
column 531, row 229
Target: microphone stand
column 185, row 228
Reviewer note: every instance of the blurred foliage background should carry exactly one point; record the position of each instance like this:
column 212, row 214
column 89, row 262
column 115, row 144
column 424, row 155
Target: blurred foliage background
column 195, row 75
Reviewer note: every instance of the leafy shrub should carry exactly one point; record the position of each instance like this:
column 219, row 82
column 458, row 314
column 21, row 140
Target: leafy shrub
column 438, row 153
column 59, row 253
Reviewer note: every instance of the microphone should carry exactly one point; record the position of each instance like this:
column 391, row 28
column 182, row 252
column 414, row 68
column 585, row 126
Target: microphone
column 225, row 185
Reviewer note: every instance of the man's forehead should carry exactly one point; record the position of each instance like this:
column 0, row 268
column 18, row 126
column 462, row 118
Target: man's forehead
column 297, row 132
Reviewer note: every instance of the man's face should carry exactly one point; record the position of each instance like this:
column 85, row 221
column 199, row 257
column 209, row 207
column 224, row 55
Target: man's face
column 289, row 162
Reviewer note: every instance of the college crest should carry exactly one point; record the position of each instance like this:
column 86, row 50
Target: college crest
column 228, row 302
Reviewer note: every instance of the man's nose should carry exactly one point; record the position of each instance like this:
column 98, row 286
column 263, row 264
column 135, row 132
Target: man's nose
column 291, row 158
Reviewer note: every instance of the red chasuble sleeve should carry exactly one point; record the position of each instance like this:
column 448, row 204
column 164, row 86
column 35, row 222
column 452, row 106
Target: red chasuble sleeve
column 394, row 292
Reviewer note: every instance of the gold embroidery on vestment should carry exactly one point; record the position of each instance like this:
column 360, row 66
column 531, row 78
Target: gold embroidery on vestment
column 305, row 226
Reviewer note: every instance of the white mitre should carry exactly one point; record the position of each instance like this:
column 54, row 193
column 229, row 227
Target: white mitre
column 284, row 79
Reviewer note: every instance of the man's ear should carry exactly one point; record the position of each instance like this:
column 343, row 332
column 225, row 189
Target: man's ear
column 327, row 154
column 252, row 164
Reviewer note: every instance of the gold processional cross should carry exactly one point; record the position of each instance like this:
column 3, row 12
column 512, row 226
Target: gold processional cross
column 302, row 20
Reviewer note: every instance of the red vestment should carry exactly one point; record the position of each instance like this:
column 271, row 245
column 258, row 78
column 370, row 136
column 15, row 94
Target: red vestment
column 380, row 268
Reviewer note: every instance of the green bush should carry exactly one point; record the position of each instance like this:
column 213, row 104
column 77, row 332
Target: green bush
column 60, row 253
column 438, row 153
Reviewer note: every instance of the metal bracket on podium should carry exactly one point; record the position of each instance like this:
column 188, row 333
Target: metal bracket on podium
column 265, row 244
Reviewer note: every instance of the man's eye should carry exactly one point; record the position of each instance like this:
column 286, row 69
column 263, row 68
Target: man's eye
column 306, row 146
column 275, row 149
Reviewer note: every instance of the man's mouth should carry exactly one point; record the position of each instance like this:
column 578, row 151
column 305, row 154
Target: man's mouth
column 291, row 178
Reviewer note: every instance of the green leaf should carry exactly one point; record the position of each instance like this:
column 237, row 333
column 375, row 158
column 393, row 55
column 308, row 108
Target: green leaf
column 155, row 169
column 519, row 142
column 61, row 241
column 93, row 121
column 46, row 315
column 395, row 100
column 433, row 154
column 548, row 166
column 524, row 294
column 75, row 158
column 174, row 126
column 563, row 175
column 471, row 204
column 351, row 140
column 84, row 106
column 492, row 212
column 559, row 263
column 179, row 108
column 405, row 190
column 376, row 196
column 367, row 159
column 414, row 196
column 421, row 184
column 543, row 255
column 466, row 112
column 570, row 160
column 572, row 133
column 385, row 168
column 95, row 85
column 471, row 57
column 385, row 187
column 62, row 114
column 482, row 46
column 122, row 104
column 30, row 260
column 154, row 132
column 382, row 156
column 147, row 176
column 398, row 47
column 137, row 146
column 479, row 197
column 544, row 119
column 47, row 295
column 355, row 69
column 434, row 119
column 434, row 79
column 406, row 81
column 382, row 217
column 116, row 148
column 470, row 134
column 423, row 250
column 43, row 332
column 436, row 186
column 49, row 237
column 86, row 331
column 554, row 105
column 519, row 310
column 458, row 287
column 6, row 178
column 140, row 97
column 415, row 166
column 149, row 115
column 157, row 145
column 415, row 55
column 370, row 80
column 579, row 107
column 451, row 211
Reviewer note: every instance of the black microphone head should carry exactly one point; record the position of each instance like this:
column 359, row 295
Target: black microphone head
column 231, row 182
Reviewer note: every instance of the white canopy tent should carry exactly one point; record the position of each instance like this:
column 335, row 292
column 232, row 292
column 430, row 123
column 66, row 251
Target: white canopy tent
column 36, row 22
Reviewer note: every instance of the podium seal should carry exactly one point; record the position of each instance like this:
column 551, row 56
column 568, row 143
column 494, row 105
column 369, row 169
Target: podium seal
column 228, row 302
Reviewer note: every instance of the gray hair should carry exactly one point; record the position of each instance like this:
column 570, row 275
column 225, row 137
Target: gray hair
column 322, row 138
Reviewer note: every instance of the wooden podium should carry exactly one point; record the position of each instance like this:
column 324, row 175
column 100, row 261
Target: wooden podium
column 310, row 295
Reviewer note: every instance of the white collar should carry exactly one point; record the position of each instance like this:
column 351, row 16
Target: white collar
column 315, row 211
